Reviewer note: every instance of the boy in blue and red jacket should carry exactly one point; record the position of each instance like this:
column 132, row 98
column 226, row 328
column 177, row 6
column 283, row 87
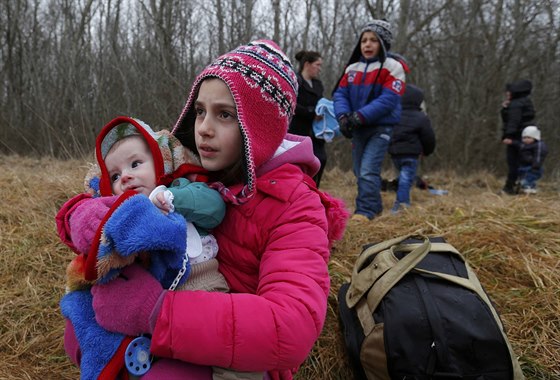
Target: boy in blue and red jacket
column 367, row 104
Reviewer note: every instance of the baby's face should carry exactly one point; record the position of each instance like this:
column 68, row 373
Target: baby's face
column 131, row 166
column 528, row 140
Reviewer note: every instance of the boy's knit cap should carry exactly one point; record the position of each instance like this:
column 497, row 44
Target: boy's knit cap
column 531, row 131
column 383, row 31
column 264, row 88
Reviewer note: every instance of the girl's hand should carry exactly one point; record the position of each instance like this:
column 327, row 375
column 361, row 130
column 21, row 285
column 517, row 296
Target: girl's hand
column 125, row 304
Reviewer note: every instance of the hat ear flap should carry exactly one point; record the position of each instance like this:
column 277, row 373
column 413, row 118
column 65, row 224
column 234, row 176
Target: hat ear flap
column 384, row 49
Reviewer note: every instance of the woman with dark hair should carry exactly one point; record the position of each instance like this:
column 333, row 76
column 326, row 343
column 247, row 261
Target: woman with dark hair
column 309, row 92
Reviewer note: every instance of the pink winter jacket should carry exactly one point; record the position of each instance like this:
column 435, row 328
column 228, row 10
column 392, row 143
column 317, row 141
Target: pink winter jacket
column 273, row 252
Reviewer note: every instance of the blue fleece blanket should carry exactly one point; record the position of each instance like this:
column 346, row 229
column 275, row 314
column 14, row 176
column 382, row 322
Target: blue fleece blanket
column 97, row 345
column 136, row 226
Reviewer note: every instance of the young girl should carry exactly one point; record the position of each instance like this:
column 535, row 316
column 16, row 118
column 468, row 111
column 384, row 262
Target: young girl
column 367, row 103
column 274, row 240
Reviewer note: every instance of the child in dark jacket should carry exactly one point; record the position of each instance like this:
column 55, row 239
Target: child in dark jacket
column 412, row 137
column 532, row 152
column 517, row 113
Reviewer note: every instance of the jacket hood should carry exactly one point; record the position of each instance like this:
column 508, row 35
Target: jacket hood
column 412, row 98
column 297, row 150
column 171, row 159
column 520, row 88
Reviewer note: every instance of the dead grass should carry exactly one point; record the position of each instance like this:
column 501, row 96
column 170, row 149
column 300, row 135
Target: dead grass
column 512, row 242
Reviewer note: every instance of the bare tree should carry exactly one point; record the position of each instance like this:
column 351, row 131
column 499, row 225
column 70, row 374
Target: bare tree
column 67, row 67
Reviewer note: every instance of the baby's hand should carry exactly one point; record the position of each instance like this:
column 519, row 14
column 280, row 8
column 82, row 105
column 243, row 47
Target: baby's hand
column 162, row 199
column 161, row 203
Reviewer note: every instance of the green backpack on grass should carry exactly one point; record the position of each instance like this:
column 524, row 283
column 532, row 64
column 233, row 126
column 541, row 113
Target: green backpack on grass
column 414, row 309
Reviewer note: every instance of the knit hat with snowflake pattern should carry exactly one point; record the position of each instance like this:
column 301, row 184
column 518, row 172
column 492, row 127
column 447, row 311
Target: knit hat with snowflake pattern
column 382, row 29
column 171, row 158
column 264, row 88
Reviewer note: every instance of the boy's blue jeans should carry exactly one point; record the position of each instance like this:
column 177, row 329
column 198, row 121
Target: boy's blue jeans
column 369, row 145
column 407, row 173
column 529, row 176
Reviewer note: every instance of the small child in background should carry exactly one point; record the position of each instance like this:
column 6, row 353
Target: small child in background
column 412, row 137
column 532, row 152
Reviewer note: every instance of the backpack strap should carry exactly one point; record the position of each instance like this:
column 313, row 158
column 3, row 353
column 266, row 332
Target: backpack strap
column 382, row 287
column 368, row 278
column 384, row 272
column 364, row 276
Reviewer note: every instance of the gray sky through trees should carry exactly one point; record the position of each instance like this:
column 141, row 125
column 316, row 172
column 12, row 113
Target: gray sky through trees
column 69, row 66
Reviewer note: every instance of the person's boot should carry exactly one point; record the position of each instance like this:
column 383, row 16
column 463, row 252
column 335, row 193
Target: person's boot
column 509, row 189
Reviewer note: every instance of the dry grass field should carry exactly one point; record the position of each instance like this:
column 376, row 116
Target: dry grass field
column 512, row 242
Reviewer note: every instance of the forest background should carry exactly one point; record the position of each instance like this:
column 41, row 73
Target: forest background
column 69, row 66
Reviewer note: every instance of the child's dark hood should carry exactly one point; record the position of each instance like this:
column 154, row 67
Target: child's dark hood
column 412, row 98
column 520, row 88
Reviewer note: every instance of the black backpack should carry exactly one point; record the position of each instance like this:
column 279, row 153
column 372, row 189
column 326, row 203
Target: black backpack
column 414, row 309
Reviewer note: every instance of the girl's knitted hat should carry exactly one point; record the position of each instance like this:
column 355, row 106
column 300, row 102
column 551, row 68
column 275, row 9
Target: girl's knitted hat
column 171, row 158
column 264, row 88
